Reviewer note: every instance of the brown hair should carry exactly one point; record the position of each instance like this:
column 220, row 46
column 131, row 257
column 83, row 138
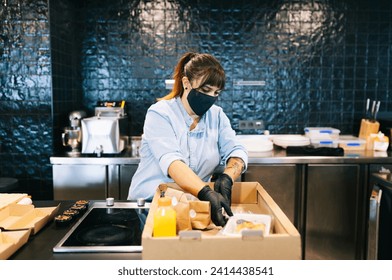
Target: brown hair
column 195, row 66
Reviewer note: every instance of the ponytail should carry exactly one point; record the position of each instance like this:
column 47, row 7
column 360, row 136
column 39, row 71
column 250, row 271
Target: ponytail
column 179, row 73
column 195, row 66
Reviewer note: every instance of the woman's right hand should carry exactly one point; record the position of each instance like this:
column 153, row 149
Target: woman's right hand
column 217, row 201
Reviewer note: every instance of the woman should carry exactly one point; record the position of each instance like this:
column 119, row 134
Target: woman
column 186, row 138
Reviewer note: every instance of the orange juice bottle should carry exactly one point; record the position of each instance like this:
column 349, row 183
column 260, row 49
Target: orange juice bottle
column 164, row 218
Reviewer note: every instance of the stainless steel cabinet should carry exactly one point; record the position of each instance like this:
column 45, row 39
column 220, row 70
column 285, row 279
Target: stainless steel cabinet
column 73, row 182
column 91, row 181
column 334, row 226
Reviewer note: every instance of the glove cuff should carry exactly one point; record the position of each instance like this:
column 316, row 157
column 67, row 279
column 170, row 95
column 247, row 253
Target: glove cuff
column 203, row 193
column 227, row 177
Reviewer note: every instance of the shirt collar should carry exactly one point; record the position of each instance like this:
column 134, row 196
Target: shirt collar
column 188, row 119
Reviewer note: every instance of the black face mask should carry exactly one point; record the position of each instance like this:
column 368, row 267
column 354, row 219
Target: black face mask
column 200, row 102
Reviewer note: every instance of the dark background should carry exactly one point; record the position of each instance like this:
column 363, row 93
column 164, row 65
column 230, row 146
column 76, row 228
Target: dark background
column 320, row 60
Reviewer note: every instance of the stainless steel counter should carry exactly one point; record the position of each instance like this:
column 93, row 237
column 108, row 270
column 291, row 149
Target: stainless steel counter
column 277, row 156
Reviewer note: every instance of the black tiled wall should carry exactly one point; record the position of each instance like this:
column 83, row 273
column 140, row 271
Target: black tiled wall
column 320, row 60
column 65, row 52
column 26, row 95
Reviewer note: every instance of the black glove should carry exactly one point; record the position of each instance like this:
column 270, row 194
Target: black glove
column 216, row 203
column 223, row 185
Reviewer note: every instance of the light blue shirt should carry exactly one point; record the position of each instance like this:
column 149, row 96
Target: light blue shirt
column 166, row 138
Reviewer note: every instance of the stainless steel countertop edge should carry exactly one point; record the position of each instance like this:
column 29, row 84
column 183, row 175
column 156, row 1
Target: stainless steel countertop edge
column 277, row 156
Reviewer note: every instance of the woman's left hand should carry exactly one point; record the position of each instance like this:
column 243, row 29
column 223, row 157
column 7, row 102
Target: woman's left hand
column 223, row 185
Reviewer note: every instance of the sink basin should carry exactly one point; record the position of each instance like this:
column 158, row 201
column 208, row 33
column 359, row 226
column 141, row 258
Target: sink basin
column 256, row 143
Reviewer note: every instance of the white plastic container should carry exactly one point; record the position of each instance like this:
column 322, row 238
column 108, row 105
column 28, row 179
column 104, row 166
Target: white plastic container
column 324, row 143
column 351, row 143
column 322, row 132
column 231, row 227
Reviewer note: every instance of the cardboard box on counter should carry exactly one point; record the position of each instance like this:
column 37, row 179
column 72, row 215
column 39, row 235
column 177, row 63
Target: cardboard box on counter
column 284, row 242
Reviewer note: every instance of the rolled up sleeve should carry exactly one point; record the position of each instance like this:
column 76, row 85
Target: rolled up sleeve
column 159, row 135
column 229, row 144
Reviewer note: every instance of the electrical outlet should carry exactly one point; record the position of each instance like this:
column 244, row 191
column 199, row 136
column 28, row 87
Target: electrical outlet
column 251, row 124
column 243, row 125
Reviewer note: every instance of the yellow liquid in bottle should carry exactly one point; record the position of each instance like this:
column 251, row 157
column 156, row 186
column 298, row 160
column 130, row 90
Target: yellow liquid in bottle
column 164, row 219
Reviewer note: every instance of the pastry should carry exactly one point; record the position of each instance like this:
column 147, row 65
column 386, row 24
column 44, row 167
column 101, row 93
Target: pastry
column 242, row 224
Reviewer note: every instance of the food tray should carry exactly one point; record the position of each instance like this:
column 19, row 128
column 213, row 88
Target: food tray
column 16, row 217
column 11, row 241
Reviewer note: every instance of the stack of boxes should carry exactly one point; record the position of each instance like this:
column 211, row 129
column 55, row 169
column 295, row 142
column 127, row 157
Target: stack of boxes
column 323, row 136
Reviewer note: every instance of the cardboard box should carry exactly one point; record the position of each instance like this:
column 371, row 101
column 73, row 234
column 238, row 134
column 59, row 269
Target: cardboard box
column 284, row 242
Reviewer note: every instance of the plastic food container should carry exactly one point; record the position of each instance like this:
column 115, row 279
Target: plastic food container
column 239, row 222
column 352, row 143
column 322, row 132
column 324, row 143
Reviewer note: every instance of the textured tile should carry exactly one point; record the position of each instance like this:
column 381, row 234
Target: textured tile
column 320, row 60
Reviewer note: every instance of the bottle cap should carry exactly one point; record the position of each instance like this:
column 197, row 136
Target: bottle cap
column 164, row 201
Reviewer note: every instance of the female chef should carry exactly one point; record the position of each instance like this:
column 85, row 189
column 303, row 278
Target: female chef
column 186, row 138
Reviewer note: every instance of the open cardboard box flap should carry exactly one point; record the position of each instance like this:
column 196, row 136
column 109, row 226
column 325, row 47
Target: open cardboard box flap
column 284, row 242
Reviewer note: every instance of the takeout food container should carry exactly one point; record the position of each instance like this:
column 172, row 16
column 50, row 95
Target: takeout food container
column 11, row 198
column 283, row 242
column 11, row 241
column 244, row 221
column 16, row 217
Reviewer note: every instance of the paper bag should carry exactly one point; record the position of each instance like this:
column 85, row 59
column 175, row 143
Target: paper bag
column 191, row 212
column 200, row 214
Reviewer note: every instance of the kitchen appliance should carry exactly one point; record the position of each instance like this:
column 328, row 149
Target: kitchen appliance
column 72, row 135
column 103, row 228
column 106, row 132
column 380, row 217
